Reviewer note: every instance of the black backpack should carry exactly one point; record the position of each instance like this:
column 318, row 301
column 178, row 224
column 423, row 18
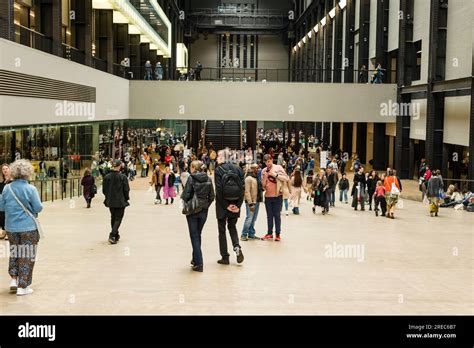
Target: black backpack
column 232, row 185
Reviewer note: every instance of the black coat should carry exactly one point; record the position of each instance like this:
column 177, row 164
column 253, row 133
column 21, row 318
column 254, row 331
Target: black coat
column 201, row 185
column 359, row 178
column 371, row 184
column 221, row 203
column 116, row 190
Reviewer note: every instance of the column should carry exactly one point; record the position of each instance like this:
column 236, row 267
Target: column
column 347, row 138
column 364, row 32
column 362, row 141
column 81, row 29
column 349, row 43
column 380, row 149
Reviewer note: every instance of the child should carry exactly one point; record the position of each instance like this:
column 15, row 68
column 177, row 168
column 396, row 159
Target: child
column 177, row 181
column 308, row 185
column 379, row 197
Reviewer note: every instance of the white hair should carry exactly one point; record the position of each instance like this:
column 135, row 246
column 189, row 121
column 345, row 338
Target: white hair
column 21, row 169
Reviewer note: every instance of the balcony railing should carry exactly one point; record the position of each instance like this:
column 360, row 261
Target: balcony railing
column 33, row 39
column 261, row 75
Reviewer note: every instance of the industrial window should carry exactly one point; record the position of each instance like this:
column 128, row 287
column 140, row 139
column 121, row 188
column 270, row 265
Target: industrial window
column 417, row 70
column 245, row 50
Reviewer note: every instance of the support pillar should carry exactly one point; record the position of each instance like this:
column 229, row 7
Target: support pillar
column 81, row 29
column 349, row 35
column 195, row 134
column 347, row 138
column 380, row 150
column 362, row 141
column 364, row 32
column 252, row 134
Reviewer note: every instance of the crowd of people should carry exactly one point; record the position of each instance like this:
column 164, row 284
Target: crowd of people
column 241, row 180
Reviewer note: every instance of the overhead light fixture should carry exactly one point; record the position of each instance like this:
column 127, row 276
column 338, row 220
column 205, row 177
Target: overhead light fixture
column 323, row 21
column 295, row 48
column 133, row 29
column 316, row 28
column 342, row 4
column 102, row 5
column 310, row 33
column 17, row 6
column 119, row 18
column 144, row 39
column 304, row 40
column 332, row 13
column 153, row 46
column 299, row 44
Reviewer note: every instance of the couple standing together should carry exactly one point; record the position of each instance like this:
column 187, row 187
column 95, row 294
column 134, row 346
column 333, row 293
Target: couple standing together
column 229, row 196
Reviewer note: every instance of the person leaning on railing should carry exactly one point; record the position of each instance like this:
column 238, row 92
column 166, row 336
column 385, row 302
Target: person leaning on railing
column 20, row 202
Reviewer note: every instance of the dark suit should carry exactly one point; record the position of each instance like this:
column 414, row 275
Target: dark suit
column 116, row 190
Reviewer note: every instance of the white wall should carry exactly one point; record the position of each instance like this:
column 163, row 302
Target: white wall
column 456, row 120
column 421, row 30
column 393, row 25
column 373, row 28
column 418, row 124
column 460, row 39
column 112, row 92
column 278, row 101
column 272, row 54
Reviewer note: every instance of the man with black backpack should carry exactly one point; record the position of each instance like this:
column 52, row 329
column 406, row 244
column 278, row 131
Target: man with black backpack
column 229, row 181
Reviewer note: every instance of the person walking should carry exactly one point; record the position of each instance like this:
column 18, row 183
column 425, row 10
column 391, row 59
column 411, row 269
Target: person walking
column 168, row 186
column 358, row 189
column 296, row 183
column 229, row 181
column 331, row 174
column 117, row 194
column 379, row 199
column 89, row 189
column 372, row 179
column 343, row 188
column 286, row 192
column 6, row 179
column 21, row 204
column 392, row 191
column 273, row 177
column 253, row 198
column 199, row 185
column 320, row 186
column 157, row 183
column 435, row 192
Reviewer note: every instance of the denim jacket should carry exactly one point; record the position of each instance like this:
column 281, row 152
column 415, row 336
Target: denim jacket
column 16, row 220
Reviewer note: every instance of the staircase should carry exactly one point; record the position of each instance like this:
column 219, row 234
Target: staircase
column 223, row 134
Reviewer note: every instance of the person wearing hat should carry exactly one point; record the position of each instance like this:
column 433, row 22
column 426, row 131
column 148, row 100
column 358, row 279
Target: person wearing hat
column 253, row 198
column 116, row 191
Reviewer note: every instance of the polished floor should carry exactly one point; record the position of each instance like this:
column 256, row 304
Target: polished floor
column 344, row 263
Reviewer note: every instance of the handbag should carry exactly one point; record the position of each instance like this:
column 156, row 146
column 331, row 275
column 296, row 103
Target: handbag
column 192, row 206
column 29, row 213
column 94, row 189
column 394, row 191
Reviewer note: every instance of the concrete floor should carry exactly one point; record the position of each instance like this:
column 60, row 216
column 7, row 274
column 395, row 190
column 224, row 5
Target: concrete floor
column 411, row 265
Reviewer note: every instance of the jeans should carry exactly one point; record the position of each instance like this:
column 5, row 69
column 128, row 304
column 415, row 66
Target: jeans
column 343, row 195
column 158, row 190
column 273, row 208
column 196, row 224
column 332, row 196
column 116, row 216
column 176, row 188
column 285, row 201
column 231, row 222
column 249, row 224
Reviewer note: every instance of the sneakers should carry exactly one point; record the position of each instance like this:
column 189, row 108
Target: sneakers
column 254, row 238
column 223, row 261
column 244, row 238
column 277, row 238
column 157, row 201
column 13, row 285
column 268, row 237
column 240, row 256
column 112, row 240
column 24, row 291
column 286, row 213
